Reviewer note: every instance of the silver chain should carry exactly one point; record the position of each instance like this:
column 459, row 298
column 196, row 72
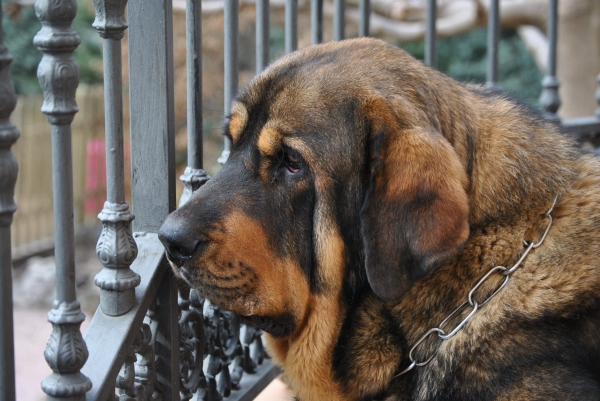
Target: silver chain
column 473, row 304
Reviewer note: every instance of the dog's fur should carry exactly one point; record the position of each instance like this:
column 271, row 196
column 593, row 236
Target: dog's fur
column 364, row 196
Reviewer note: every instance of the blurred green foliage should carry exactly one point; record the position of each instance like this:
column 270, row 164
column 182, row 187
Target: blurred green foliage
column 21, row 25
column 464, row 58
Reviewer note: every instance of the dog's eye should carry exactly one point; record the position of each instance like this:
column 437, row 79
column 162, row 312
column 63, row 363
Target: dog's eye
column 292, row 162
column 290, row 159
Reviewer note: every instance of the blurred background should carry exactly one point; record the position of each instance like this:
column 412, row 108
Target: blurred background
column 461, row 53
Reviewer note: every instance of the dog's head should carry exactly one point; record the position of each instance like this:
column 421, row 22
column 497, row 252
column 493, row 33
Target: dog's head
column 337, row 180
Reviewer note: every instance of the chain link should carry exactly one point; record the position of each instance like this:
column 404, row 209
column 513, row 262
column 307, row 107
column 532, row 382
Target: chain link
column 470, row 302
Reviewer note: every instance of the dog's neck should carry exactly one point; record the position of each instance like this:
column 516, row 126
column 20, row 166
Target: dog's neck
column 307, row 355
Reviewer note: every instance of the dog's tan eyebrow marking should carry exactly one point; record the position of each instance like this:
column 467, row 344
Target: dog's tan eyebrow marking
column 269, row 141
column 237, row 121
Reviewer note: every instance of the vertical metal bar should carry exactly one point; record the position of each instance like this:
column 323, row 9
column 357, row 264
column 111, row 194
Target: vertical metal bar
column 193, row 22
column 364, row 8
column 194, row 175
column 598, row 97
column 167, row 338
column 231, row 68
column 431, row 34
column 549, row 98
column 8, row 178
column 316, row 18
column 58, row 74
column 152, row 112
column 492, row 44
column 339, row 19
column 116, row 248
column 262, row 35
column 291, row 25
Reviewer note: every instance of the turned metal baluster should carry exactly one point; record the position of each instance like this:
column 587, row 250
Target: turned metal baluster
column 8, row 177
column 116, row 248
column 58, row 74
column 191, row 331
column 549, row 98
column 194, row 175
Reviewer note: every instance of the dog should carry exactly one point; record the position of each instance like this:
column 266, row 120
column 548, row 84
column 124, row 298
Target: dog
column 399, row 235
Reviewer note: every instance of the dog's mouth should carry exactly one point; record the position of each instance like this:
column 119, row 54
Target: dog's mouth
column 281, row 326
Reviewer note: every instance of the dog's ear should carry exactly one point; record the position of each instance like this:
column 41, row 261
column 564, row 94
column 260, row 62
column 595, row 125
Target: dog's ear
column 415, row 212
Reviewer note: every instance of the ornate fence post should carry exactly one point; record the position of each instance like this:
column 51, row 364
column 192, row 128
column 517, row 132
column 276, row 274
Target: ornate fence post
column 116, row 248
column 8, row 177
column 58, row 74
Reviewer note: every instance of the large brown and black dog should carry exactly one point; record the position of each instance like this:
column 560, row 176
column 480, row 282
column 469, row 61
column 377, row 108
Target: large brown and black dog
column 364, row 197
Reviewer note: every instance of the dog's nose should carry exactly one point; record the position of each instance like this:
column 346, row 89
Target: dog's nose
column 179, row 246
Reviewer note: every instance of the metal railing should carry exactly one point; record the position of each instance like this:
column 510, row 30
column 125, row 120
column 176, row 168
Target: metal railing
column 151, row 337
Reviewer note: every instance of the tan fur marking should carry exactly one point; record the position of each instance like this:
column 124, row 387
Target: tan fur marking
column 238, row 120
column 307, row 354
column 269, row 141
column 274, row 286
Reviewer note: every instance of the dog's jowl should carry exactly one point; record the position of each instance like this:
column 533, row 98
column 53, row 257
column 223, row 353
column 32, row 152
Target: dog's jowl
column 365, row 199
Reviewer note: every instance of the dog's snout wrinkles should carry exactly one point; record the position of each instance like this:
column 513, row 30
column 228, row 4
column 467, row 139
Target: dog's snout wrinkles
column 180, row 246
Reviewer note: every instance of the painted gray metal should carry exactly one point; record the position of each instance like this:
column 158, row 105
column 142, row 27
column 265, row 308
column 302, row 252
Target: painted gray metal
column 111, row 338
column 339, row 19
column 364, row 8
column 549, row 98
column 581, row 127
column 167, row 338
column 262, row 35
column 231, row 68
column 8, row 177
column 116, row 248
column 194, row 175
column 193, row 13
column 291, row 25
column 58, row 74
column 493, row 39
column 431, row 34
column 316, row 21
column 597, row 113
column 152, row 112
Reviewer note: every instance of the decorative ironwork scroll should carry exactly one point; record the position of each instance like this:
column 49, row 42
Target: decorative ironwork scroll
column 116, row 248
column 58, row 74
column 137, row 379
column 192, row 345
column 8, row 177
column 215, row 349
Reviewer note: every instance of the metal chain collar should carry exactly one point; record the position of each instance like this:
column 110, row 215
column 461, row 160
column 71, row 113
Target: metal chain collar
column 473, row 304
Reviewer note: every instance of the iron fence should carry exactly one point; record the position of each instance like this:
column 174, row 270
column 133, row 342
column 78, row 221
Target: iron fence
column 151, row 338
